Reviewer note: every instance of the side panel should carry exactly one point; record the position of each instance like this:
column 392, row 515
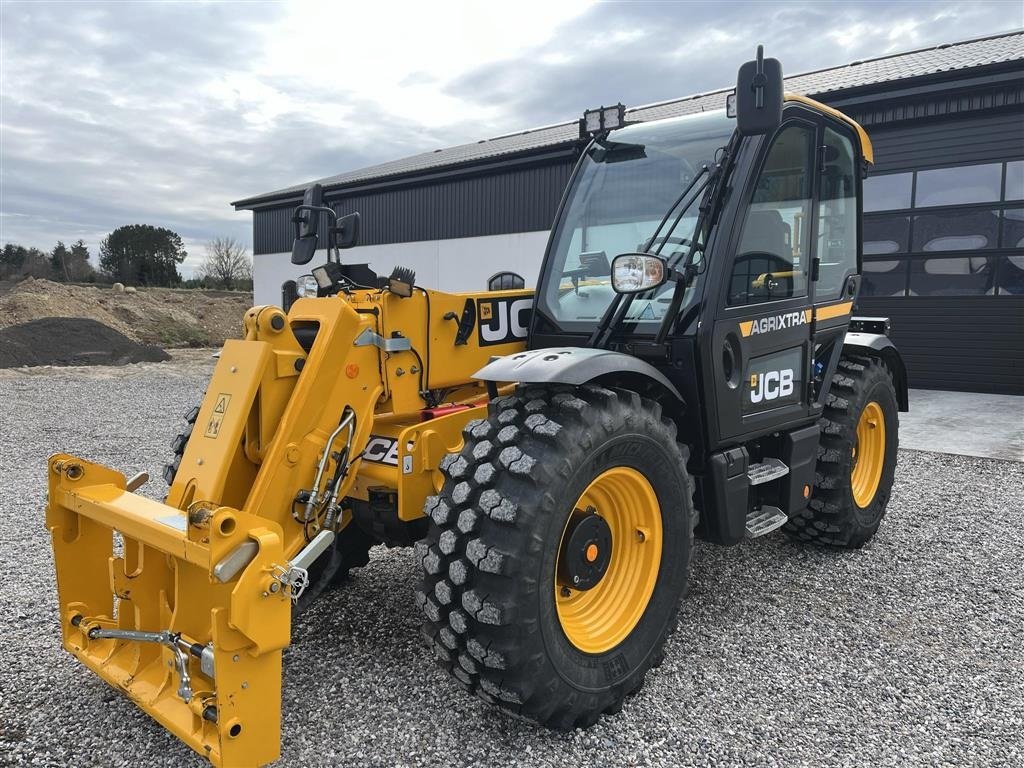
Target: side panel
column 761, row 374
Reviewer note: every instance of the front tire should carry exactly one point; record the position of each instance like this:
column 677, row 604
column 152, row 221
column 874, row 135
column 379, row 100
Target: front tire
column 856, row 458
column 515, row 523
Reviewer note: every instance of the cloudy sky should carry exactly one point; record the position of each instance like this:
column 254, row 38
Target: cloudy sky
column 163, row 113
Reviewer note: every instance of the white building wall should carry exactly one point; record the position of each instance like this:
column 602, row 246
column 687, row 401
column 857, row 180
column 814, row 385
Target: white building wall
column 461, row 264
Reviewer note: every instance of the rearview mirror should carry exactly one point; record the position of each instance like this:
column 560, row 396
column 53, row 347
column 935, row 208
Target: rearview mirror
column 307, row 224
column 758, row 98
column 637, row 272
column 346, row 231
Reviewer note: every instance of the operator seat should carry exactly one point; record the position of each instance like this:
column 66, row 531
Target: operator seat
column 764, row 232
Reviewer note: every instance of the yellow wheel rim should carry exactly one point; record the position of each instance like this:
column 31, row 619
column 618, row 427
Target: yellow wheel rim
column 598, row 619
column 868, row 454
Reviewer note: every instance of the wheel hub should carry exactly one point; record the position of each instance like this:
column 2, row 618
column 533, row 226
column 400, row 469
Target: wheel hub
column 586, row 551
column 625, row 542
column 868, row 454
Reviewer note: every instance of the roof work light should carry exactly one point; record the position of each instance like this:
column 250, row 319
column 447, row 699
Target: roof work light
column 602, row 119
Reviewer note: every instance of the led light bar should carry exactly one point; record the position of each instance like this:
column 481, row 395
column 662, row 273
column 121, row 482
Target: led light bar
column 602, row 119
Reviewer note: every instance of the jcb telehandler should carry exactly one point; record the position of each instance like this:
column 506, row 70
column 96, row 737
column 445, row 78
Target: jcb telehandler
column 687, row 365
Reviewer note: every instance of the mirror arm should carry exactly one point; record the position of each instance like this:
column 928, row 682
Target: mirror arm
column 682, row 280
column 297, row 219
column 759, row 80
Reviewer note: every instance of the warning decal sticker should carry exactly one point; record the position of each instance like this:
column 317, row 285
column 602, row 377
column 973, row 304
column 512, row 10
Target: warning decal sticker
column 213, row 426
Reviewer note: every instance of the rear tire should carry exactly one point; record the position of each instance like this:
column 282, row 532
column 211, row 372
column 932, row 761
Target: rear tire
column 178, row 446
column 498, row 531
column 856, row 458
column 351, row 550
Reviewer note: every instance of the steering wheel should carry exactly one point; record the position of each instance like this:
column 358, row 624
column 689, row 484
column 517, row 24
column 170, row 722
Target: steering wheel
column 683, row 241
column 772, row 278
column 667, row 241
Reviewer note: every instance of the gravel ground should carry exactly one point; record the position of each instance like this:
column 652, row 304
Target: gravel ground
column 910, row 651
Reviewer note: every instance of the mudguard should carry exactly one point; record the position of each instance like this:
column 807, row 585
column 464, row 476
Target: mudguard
column 570, row 365
column 879, row 345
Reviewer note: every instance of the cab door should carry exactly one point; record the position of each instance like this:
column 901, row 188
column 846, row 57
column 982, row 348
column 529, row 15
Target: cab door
column 835, row 268
column 761, row 342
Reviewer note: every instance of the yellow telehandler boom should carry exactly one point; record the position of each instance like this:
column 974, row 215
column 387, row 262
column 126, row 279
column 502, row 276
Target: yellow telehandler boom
column 188, row 613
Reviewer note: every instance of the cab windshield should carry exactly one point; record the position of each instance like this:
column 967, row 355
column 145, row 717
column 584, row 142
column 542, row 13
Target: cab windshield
column 625, row 186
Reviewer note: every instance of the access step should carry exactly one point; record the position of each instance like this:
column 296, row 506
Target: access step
column 764, row 520
column 766, row 471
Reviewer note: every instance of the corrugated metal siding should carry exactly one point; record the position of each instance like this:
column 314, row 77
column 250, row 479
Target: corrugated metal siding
column 520, row 200
column 957, row 102
column 949, row 141
column 968, row 343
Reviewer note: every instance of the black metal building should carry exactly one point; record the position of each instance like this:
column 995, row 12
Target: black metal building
column 944, row 203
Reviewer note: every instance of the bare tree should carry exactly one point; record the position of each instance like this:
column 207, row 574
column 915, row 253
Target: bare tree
column 226, row 263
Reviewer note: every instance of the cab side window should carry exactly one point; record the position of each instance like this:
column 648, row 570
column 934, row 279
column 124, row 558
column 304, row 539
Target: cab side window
column 837, row 217
column 772, row 260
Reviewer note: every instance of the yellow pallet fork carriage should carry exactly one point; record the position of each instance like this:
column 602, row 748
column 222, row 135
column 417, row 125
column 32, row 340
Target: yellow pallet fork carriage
column 552, row 454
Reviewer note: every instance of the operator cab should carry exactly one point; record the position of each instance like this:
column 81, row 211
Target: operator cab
column 711, row 262
column 720, row 247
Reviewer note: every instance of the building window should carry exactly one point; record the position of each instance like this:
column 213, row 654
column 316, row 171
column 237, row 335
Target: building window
column 958, row 186
column 966, row 230
column 886, row 234
column 1014, row 181
column 884, row 278
column 970, row 246
column 890, row 192
column 953, row 276
column 1011, row 276
column 1013, row 228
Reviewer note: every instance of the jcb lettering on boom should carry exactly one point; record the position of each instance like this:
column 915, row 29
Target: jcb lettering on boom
column 504, row 320
column 383, row 450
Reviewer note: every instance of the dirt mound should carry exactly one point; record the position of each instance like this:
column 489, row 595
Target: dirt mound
column 167, row 317
column 71, row 341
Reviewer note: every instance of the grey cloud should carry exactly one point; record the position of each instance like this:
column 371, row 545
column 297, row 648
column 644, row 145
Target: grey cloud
column 105, row 122
column 113, row 131
column 681, row 48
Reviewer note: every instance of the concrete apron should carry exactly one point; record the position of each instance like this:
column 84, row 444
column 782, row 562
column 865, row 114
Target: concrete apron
column 965, row 424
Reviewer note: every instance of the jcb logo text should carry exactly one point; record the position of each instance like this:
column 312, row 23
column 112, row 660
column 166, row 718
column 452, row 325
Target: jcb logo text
column 504, row 320
column 771, row 385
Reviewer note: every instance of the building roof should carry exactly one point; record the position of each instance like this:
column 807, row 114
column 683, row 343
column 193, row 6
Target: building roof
column 948, row 57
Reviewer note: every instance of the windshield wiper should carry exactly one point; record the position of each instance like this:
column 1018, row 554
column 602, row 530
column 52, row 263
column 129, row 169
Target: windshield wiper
column 617, row 310
column 701, row 231
column 620, row 304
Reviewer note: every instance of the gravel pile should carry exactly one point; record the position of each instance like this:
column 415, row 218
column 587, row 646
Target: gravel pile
column 167, row 317
column 71, row 341
column 910, row 651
